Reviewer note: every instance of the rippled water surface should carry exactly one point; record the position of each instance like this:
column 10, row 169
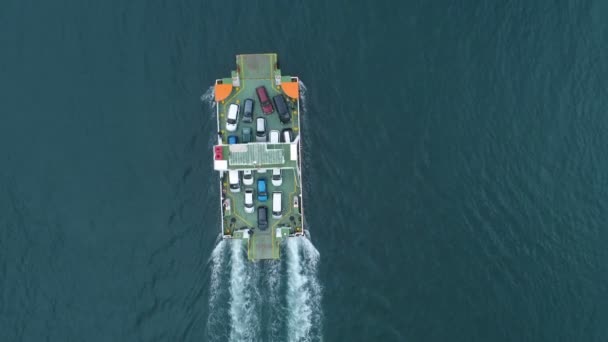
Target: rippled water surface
column 455, row 164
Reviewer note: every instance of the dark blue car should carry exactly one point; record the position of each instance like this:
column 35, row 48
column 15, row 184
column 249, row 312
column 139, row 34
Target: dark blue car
column 262, row 190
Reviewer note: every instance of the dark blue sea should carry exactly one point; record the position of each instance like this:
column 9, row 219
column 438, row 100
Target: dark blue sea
column 455, row 172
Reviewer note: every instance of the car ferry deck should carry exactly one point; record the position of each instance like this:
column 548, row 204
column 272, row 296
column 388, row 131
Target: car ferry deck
column 264, row 206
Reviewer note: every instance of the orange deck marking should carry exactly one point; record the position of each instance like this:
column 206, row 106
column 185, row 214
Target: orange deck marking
column 292, row 89
column 222, row 91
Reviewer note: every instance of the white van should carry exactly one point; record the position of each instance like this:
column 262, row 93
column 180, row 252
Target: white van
column 232, row 118
column 277, row 208
column 249, row 201
column 233, row 179
column 274, row 136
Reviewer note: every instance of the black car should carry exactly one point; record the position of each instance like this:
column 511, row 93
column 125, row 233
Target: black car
column 248, row 110
column 281, row 105
column 262, row 218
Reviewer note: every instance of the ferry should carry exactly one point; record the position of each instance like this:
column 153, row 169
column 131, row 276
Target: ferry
column 258, row 155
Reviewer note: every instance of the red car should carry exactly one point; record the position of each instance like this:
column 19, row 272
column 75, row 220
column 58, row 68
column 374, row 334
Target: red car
column 264, row 100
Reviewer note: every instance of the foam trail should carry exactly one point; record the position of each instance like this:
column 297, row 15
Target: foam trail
column 217, row 264
column 303, row 90
column 209, row 98
column 243, row 288
column 217, row 294
column 303, row 291
column 210, row 125
column 311, row 260
column 276, row 318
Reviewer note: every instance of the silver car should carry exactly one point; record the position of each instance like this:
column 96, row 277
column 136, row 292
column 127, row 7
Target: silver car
column 260, row 130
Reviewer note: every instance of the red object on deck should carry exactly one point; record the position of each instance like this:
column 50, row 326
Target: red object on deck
column 219, row 154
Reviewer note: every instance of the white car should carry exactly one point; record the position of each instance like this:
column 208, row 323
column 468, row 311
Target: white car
column 249, row 201
column 232, row 118
column 277, row 205
column 234, row 181
column 248, row 177
column 287, row 135
column 277, row 180
column 274, row 137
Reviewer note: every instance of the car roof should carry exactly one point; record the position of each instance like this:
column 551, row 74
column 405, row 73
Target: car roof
column 233, row 110
column 275, row 136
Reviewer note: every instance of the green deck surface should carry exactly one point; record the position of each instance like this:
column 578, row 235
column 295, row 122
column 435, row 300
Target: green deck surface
column 254, row 71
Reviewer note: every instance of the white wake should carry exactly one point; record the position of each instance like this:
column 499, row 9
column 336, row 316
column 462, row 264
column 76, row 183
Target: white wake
column 217, row 290
column 217, row 265
column 275, row 303
column 303, row 291
column 243, row 296
column 209, row 98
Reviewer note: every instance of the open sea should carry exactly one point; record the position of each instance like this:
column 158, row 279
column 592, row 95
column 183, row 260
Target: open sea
column 455, row 165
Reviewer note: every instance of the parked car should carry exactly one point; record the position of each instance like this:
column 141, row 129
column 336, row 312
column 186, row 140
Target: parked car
column 247, row 177
column 262, row 217
column 264, row 99
column 246, row 135
column 262, row 190
column 274, row 136
column 282, row 108
column 277, row 205
column 287, row 135
column 232, row 118
column 249, row 201
column 277, row 180
column 233, row 179
column 260, row 129
column 248, row 110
